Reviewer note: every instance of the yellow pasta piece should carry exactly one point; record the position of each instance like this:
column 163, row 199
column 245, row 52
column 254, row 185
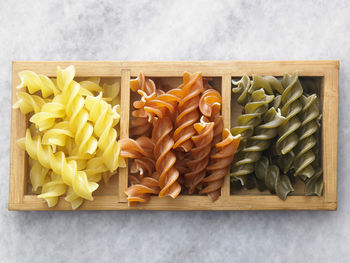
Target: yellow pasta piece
column 35, row 83
column 90, row 87
column 65, row 77
column 57, row 136
column 104, row 119
column 52, row 189
column 50, row 111
column 73, row 198
column 78, row 121
column 58, row 163
column 111, row 93
column 28, row 103
column 37, row 175
column 95, row 168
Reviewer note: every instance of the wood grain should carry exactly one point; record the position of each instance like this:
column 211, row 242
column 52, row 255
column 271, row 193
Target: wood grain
column 124, row 129
column 226, row 113
column 108, row 199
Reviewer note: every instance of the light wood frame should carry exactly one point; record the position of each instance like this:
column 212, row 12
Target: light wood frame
column 327, row 70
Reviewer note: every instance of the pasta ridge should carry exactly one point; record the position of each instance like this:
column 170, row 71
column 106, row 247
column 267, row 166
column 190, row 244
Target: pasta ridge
column 250, row 119
column 141, row 192
column 167, row 174
column 290, row 107
column 104, row 118
column 34, row 82
column 272, row 179
column 28, row 103
column 200, row 153
column 141, row 122
column 304, row 153
column 52, row 189
column 49, row 112
column 188, row 110
column 78, row 118
column 220, row 164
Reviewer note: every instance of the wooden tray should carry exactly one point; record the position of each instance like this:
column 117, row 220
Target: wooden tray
column 112, row 197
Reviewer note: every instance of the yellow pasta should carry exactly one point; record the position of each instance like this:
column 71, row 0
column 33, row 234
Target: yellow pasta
column 78, row 118
column 37, row 174
column 71, row 140
column 90, row 86
column 73, row 198
column 111, row 93
column 28, row 103
column 35, row 83
column 58, row 163
column 104, row 119
column 58, row 135
column 52, row 189
column 49, row 112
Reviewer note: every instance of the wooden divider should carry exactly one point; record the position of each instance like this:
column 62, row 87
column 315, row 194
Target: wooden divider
column 124, row 129
column 226, row 113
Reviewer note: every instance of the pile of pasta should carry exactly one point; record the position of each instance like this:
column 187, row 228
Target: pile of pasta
column 280, row 129
column 72, row 136
column 177, row 142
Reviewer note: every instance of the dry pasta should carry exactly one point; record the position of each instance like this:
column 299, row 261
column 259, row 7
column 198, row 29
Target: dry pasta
column 200, row 154
column 69, row 151
column 186, row 128
column 220, row 164
column 282, row 142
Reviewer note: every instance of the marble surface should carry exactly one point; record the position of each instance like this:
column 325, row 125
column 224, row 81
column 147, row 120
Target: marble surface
column 175, row 30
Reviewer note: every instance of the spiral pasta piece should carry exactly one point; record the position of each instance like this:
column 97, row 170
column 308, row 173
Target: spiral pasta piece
column 143, row 166
column 48, row 114
column 111, row 93
column 52, row 189
column 314, row 185
column 264, row 133
column 270, row 175
column 220, row 164
column 34, row 82
column 79, row 118
column 165, row 158
column 164, row 104
column 90, row 87
column 95, row 169
column 142, row 146
column 250, row 119
column 304, row 153
column 28, row 103
column 74, row 199
column 141, row 122
column 188, row 110
column 210, row 106
column 141, row 192
column 58, row 163
column 65, row 77
column 58, row 135
column 37, row 174
column 141, row 150
column 200, row 154
column 290, row 107
column 210, row 103
column 104, row 119
column 241, row 87
column 268, row 83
